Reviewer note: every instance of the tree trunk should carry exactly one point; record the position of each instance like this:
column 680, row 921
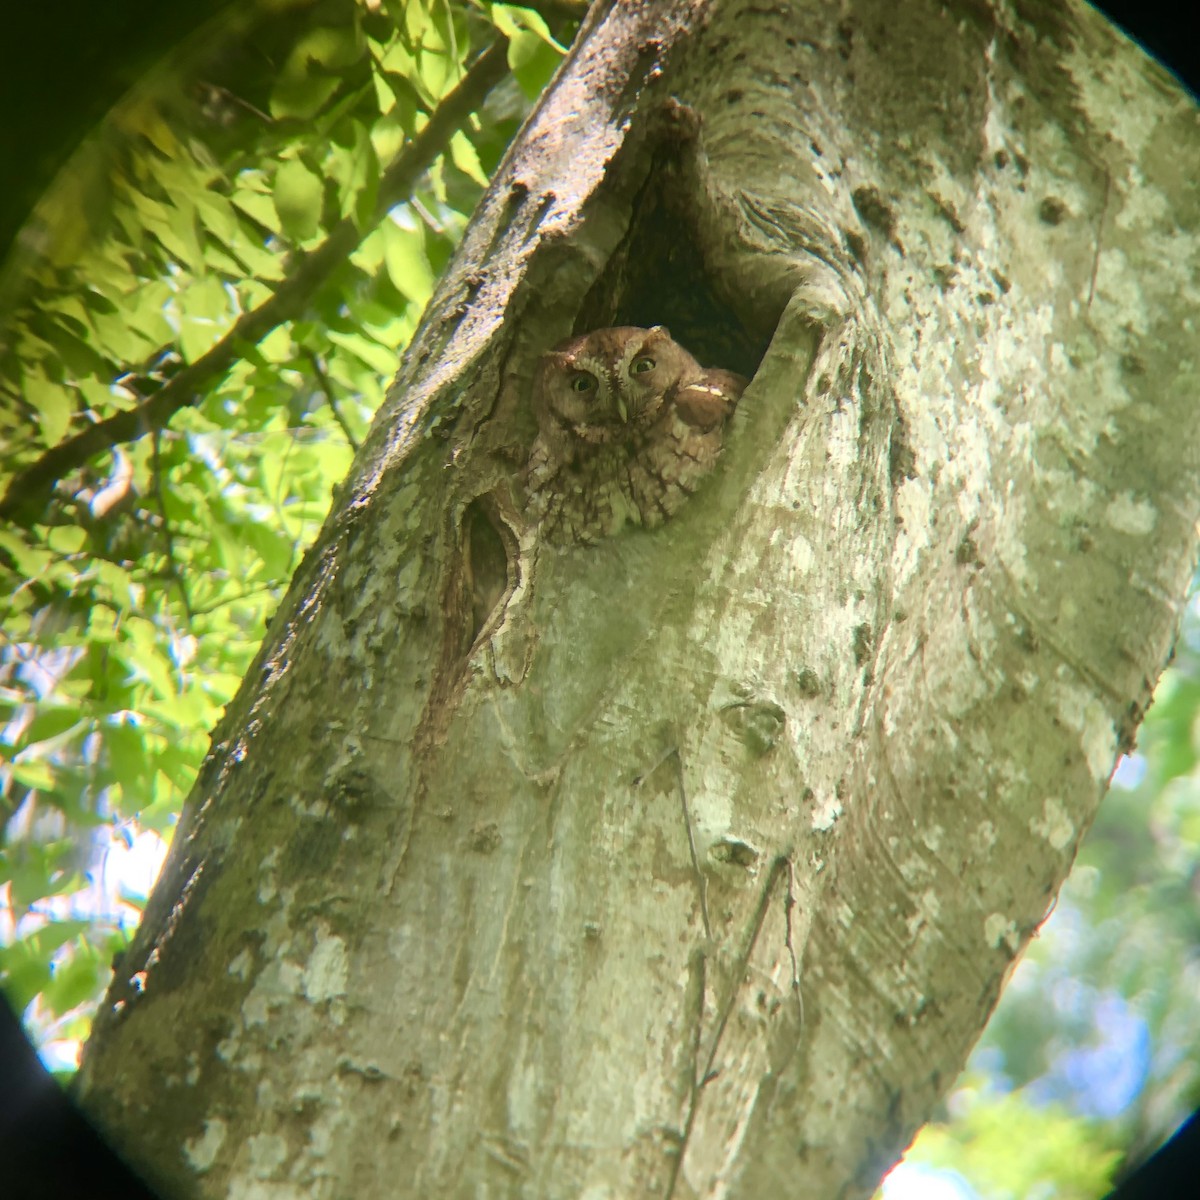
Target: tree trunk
column 694, row 864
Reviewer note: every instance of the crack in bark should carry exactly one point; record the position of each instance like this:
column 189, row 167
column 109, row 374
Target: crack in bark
column 782, row 865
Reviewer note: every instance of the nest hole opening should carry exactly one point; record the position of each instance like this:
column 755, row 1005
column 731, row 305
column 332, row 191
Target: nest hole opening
column 658, row 276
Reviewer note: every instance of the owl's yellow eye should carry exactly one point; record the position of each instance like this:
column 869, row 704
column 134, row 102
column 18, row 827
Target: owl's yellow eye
column 642, row 365
column 583, row 382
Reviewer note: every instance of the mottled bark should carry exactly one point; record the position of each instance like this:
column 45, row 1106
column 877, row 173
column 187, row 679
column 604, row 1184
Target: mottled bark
column 699, row 871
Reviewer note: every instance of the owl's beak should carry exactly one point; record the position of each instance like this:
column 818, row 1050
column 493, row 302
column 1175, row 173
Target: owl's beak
column 621, row 408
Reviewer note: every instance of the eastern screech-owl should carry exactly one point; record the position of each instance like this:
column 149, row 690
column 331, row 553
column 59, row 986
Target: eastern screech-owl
column 628, row 424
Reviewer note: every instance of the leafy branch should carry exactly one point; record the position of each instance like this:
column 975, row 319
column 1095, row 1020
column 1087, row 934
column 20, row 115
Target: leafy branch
column 30, row 488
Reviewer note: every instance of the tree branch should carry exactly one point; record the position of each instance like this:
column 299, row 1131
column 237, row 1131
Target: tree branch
column 30, row 488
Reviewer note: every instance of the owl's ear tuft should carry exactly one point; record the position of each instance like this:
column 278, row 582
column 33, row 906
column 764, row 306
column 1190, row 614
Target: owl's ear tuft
column 657, row 335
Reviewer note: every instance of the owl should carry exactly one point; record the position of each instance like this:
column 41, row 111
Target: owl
column 628, row 424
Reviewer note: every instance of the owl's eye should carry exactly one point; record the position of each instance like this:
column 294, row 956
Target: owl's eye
column 642, row 365
column 583, row 382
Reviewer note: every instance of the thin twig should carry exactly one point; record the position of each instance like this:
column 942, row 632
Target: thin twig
column 173, row 571
column 788, row 906
column 701, row 881
column 261, row 589
column 30, row 487
column 326, row 386
column 782, row 863
column 224, row 93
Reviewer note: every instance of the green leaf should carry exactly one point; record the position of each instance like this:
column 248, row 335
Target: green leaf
column 124, row 340
column 533, row 54
column 172, row 223
column 50, row 721
column 302, row 96
column 416, row 21
column 356, row 172
column 378, row 357
column 396, row 67
column 204, row 313
column 57, row 933
column 385, row 95
column 116, row 581
column 217, row 215
column 331, row 46
column 407, row 263
column 33, row 773
column 465, row 158
column 80, row 977
column 66, row 539
column 314, row 70
column 35, row 871
column 53, row 404
column 256, row 204
column 206, row 300
column 144, row 312
column 25, row 972
column 297, row 196
column 31, row 561
column 533, row 63
column 513, row 20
